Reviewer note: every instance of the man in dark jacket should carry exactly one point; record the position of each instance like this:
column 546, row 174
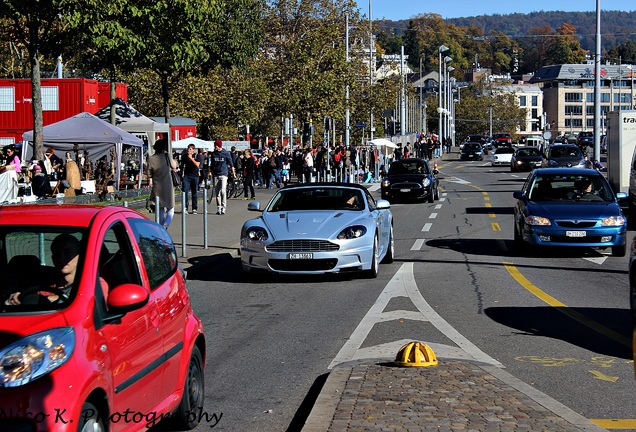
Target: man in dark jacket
column 222, row 165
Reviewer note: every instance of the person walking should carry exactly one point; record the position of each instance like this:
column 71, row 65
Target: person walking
column 222, row 165
column 160, row 181
column 248, row 174
column 191, row 164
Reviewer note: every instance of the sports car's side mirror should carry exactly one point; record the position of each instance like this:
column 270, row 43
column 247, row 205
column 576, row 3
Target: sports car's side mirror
column 518, row 194
column 435, row 171
column 621, row 196
column 254, row 206
column 382, row 204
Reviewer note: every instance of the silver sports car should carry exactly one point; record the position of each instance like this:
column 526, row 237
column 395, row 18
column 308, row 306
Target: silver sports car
column 317, row 228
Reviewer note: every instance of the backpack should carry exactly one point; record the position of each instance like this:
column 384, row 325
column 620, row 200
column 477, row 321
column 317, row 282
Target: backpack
column 272, row 161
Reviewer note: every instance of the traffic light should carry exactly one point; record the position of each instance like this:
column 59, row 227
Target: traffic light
column 398, row 128
column 306, row 131
column 390, row 128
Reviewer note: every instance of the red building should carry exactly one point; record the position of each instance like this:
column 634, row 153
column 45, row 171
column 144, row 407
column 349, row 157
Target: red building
column 61, row 99
column 180, row 127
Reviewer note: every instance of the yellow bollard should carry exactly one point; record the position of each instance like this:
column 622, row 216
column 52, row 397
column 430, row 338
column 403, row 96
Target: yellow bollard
column 416, row 354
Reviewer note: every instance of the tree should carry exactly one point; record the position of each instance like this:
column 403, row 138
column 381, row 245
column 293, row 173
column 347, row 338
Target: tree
column 564, row 48
column 626, row 53
column 42, row 28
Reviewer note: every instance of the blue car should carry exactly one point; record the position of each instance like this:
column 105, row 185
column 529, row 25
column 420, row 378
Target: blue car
column 569, row 207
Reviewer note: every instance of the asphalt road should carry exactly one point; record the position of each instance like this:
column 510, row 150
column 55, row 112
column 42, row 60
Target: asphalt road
column 558, row 320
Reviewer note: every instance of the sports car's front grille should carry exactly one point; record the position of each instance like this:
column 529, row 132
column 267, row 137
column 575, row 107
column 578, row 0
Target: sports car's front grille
column 303, row 265
column 302, row 246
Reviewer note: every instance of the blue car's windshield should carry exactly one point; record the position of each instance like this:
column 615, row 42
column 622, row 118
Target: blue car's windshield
column 570, row 187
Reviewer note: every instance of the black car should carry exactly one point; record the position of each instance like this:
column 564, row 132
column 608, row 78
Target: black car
column 472, row 151
column 563, row 155
column 410, row 178
column 585, row 139
column 525, row 158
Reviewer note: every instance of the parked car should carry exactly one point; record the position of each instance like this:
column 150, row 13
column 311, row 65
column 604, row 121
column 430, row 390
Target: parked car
column 502, row 156
column 472, row 151
column 410, row 179
column 96, row 320
column 502, row 139
column 574, row 207
column 315, row 228
column 525, row 158
column 563, row 155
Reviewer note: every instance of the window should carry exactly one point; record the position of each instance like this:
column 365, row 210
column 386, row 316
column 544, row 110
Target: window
column 7, row 99
column 117, row 264
column 535, row 101
column 574, row 109
column 574, row 123
column 157, row 250
column 6, row 141
column 622, row 98
column 522, row 101
column 589, row 109
column 574, row 97
column 50, row 99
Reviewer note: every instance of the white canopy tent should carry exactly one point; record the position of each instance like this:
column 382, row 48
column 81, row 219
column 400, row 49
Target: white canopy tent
column 89, row 133
column 199, row 143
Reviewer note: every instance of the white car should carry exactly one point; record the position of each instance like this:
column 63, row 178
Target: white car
column 502, row 156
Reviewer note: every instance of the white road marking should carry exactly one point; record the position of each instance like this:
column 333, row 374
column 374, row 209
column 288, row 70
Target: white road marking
column 427, row 227
column 374, row 187
column 418, row 244
column 433, row 216
column 403, row 285
column 458, row 180
column 438, row 206
column 596, row 260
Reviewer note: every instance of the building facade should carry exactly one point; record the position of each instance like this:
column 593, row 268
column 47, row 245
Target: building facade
column 568, row 94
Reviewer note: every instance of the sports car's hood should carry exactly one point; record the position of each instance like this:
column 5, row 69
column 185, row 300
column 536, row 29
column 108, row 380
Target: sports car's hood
column 569, row 210
column 309, row 224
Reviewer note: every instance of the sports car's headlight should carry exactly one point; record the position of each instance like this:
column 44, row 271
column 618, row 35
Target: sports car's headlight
column 256, row 233
column 36, row 355
column 352, row 232
column 613, row 221
column 537, row 220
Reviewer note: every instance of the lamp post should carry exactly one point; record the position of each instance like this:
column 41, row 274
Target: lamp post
column 371, row 67
column 443, row 130
column 449, row 98
column 490, row 130
column 440, row 50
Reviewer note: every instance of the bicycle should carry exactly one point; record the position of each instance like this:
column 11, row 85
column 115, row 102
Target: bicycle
column 234, row 188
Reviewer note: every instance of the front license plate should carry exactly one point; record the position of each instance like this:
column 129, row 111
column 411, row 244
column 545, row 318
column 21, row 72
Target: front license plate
column 301, row 256
column 405, row 190
column 575, row 233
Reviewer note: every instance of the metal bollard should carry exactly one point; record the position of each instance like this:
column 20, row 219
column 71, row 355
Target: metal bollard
column 157, row 210
column 183, row 225
column 205, row 217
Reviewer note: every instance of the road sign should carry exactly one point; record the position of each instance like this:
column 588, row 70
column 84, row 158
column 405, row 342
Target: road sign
column 361, row 125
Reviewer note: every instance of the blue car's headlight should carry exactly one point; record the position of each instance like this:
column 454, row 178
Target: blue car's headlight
column 256, row 233
column 537, row 220
column 36, row 355
column 352, row 232
column 613, row 221
column 426, row 182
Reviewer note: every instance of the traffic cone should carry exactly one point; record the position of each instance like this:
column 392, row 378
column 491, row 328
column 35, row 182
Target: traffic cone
column 435, row 165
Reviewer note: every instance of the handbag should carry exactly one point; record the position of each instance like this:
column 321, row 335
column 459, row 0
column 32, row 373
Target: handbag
column 176, row 178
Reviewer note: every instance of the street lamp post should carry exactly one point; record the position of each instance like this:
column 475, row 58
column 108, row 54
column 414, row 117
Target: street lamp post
column 490, row 130
column 449, row 98
column 440, row 50
column 443, row 130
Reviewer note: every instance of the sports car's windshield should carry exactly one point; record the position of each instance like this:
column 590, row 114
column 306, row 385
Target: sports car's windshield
column 41, row 267
column 317, row 198
column 409, row 167
column 570, row 188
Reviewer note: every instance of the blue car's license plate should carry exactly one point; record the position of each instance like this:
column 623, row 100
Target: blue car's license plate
column 575, row 233
column 301, row 256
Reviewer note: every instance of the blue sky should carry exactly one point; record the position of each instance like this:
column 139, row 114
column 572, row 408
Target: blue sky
column 405, row 9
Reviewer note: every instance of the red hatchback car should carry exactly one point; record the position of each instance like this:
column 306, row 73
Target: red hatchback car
column 97, row 332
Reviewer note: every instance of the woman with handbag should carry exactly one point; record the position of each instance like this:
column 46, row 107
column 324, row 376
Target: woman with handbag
column 160, row 171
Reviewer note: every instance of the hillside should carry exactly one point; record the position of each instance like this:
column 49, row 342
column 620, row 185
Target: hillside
column 617, row 27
